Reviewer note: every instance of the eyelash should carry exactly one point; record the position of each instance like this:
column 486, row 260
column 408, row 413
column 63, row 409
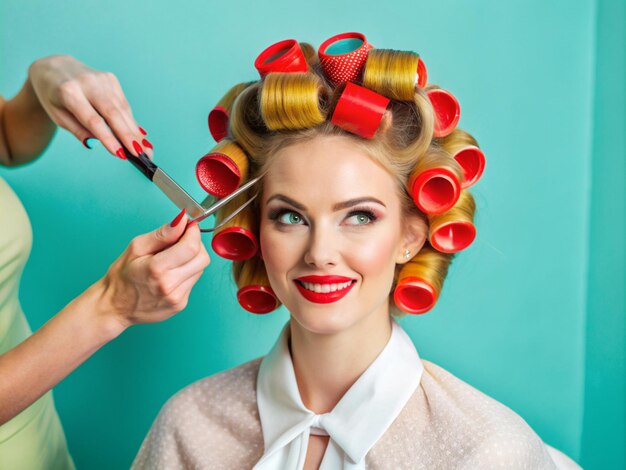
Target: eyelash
column 277, row 213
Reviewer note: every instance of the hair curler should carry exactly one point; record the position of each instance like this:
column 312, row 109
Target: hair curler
column 413, row 293
column 472, row 161
column 293, row 101
column 420, row 280
column 222, row 170
column 343, row 57
column 453, row 231
column 255, row 293
column 236, row 239
column 422, row 73
column 394, row 74
column 447, row 111
column 283, row 56
column 218, row 116
column 359, row 110
column 434, row 186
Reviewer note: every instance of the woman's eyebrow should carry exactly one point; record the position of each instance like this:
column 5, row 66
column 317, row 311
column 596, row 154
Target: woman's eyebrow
column 336, row 207
column 282, row 197
column 355, row 201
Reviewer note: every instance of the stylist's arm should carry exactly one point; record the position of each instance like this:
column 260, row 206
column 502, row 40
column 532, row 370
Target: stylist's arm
column 149, row 282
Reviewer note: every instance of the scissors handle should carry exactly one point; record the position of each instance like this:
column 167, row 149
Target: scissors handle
column 143, row 164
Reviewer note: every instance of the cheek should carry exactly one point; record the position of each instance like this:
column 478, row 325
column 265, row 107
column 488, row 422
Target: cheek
column 279, row 252
column 374, row 254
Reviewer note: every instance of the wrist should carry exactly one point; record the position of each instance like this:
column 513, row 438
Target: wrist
column 108, row 323
column 29, row 99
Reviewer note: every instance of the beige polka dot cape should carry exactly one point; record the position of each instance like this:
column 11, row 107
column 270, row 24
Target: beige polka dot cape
column 445, row 424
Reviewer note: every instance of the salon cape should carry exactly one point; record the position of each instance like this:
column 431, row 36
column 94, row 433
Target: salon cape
column 354, row 425
column 252, row 415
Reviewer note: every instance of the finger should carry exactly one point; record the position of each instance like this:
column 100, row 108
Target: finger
column 179, row 275
column 127, row 113
column 85, row 113
column 68, row 122
column 127, row 133
column 184, row 250
column 180, row 296
column 116, row 88
column 159, row 239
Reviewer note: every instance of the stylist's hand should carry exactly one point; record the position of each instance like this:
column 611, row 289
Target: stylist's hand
column 88, row 103
column 152, row 279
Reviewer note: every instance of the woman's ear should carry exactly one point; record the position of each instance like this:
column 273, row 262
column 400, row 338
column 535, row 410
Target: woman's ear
column 415, row 232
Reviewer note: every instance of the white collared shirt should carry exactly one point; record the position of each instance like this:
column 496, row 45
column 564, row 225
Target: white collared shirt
column 356, row 423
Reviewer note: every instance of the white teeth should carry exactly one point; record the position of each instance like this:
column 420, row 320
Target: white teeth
column 325, row 288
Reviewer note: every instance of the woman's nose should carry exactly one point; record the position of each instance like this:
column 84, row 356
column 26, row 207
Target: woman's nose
column 322, row 249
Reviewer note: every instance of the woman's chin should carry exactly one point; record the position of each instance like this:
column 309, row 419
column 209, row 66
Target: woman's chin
column 323, row 322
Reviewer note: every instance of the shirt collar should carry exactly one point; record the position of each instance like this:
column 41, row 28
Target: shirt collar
column 356, row 423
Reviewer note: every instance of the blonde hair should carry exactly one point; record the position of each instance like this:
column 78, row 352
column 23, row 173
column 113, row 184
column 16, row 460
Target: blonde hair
column 288, row 108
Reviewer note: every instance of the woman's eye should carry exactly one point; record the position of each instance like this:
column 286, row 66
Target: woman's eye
column 362, row 217
column 289, row 218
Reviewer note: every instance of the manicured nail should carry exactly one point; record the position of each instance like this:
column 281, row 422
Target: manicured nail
column 137, row 147
column 178, row 218
column 142, row 130
column 86, row 142
column 146, row 143
column 120, row 153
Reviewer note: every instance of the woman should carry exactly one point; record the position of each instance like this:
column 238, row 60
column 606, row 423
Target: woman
column 149, row 282
column 356, row 153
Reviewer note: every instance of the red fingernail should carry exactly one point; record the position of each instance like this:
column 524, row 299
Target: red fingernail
column 178, row 218
column 86, row 142
column 137, row 147
column 142, row 130
column 120, row 153
column 147, row 143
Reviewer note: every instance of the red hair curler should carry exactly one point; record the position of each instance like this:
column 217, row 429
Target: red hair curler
column 454, row 230
column 257, row 299
column 435, row 190
column 284, row 56
column 422, row 74
column 221, row 170
column 218, row 123
column 255, row 293
column 219, row 115
column 235, row 243
column 236, row 240
column 472, row 161
column 447, row 111
column 452, row 236
column 359, row 110
column 413, row 294
column 343, row 57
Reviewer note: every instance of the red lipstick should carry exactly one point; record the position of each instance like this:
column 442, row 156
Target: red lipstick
column 323, row 297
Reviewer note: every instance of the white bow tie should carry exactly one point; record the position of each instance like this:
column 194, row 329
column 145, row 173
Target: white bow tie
column 356, row 423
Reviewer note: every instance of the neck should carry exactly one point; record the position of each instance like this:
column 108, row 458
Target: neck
column 327, row 365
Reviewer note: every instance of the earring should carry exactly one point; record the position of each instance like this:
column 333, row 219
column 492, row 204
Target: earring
column 407, row 253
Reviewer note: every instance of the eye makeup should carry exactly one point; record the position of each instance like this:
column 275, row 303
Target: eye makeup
column 276, row 213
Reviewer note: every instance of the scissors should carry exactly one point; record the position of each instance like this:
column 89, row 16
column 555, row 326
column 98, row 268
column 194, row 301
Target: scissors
column 182, row 199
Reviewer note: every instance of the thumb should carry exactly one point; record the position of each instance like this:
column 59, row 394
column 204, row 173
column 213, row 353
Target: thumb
column 161, row 238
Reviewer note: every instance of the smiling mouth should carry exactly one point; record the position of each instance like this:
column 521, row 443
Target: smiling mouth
column 325, row 288
column 324, row 293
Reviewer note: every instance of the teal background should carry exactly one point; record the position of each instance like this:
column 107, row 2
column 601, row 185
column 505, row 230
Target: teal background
column 532, row 313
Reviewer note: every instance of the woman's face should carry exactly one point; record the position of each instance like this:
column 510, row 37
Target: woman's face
column 331, row 233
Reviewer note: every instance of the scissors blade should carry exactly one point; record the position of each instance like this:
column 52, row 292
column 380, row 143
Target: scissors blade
column 176, row 194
